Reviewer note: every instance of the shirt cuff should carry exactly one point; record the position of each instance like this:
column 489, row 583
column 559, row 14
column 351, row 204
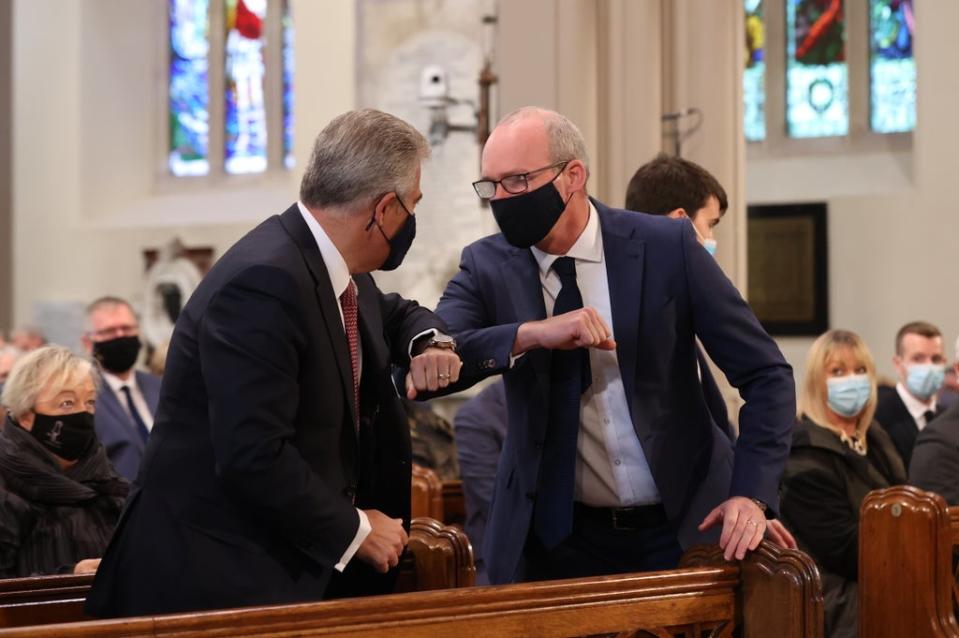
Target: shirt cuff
column 513, row 358
column 361, row 534
column 431, row 332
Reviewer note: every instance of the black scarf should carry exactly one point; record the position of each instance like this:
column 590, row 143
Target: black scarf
column 32, row 472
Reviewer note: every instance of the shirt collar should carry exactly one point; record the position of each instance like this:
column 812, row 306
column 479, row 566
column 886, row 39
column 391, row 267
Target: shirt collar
column 335, row 264
column 588, row 246
column 916, row 407
column 116, row 382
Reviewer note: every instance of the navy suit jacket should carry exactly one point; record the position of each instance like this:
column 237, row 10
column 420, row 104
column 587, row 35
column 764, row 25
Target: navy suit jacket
column 248, row 491
column 116, row 429
column 665, row 290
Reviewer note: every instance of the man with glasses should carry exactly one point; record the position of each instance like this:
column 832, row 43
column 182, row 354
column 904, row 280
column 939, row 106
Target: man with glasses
column 127, row 399
column 611, row 462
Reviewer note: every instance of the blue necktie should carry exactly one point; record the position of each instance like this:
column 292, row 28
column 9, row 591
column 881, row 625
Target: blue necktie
column 569, row 378
column 137, row 419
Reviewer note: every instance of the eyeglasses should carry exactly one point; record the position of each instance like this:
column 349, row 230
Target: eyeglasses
column 514, row 184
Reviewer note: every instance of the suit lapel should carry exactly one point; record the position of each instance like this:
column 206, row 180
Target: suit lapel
column 327, row 299
column 624, row 271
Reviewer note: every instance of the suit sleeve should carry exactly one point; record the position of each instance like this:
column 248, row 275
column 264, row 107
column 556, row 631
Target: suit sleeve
column 403, row 321
column 753, row 364
column 250, row 342
column 935, row 465
column 484, row 347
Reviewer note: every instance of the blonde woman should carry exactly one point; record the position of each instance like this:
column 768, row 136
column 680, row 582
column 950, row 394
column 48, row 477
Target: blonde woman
column 59, row 496
column 839, row 454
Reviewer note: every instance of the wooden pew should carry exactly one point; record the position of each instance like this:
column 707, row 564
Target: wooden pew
column 439, row 557
column 427, row 494
column 907, row 586
column 706, row 600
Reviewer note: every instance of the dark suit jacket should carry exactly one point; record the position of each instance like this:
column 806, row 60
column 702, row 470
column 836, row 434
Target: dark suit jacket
column 116, row 428
column 892, row 413
column 480, row 429
column 246, row 493
column 665, row 290
column 935, row 457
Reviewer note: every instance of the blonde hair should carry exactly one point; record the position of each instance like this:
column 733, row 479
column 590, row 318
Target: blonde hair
column 813, row 398
column 55, row 367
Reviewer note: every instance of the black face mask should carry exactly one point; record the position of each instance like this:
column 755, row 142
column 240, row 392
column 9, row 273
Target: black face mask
column 401, row 241
column 526, row 219
column 117, row 355
column 66, row 435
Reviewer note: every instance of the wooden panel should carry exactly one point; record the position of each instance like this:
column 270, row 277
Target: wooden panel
column 702, row 598
column 454, row 503
column 780, row 593
column 905, row 565
column 427, row 494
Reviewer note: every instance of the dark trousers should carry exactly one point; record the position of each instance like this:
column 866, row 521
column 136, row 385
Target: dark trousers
column 600, row 545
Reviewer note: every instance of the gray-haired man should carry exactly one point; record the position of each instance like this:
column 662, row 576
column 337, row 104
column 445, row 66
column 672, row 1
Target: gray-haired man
column 280, row 454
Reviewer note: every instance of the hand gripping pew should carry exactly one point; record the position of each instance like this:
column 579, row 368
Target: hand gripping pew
column 773, row 593
column 907, row 582
column 439, row 557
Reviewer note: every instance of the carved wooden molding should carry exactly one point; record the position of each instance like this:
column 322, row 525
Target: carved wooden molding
column 786, row 579
column 906, row 582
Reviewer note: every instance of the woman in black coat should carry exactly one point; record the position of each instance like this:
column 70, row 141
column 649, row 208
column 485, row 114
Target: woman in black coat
column 839, row 454
column 59, row 496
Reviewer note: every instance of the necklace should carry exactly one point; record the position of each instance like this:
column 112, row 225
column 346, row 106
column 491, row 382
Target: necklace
column 855, row 443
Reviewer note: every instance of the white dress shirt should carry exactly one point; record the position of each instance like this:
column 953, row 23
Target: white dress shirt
column 611, row 469
column 116, row 384
column 339, row 278
column 916, row 407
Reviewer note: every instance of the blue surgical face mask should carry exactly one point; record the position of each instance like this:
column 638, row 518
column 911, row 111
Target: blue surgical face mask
column 848, row 395
column 708, row 244
column 924, row 379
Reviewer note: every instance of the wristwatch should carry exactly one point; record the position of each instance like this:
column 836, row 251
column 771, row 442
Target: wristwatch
column 762, row 506
column 440, row 340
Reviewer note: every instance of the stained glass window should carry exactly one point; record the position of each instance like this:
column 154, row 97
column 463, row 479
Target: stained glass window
column 245, row 114
column 817, row 78
column 754, row 75
column 892, row 67
column 189, row 92
column 288, row 159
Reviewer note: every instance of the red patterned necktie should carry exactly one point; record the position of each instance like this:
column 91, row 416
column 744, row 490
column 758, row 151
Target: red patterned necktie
column 350, row 313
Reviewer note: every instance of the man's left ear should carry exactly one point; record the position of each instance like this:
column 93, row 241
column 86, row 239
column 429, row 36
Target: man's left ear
column 379, row 210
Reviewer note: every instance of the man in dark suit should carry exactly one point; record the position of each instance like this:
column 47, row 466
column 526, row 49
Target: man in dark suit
column 612, row 462
column 127, row 399
column 480, row 429
column 935, row 457
column 280, row 456
column 905, row 410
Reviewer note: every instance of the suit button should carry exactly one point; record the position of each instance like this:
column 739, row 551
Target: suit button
column 488, row 364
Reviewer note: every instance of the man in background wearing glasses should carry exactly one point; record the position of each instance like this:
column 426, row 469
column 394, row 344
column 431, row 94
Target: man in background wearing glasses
column 127, row 399
column 612, row 462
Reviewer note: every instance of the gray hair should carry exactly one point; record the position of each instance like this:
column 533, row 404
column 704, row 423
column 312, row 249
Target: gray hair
column 565, row 139
column 359, row 156
column 107, row 302
column 55, row 366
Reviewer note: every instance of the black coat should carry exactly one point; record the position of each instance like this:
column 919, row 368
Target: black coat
column 248, row 491
column 822, row 490
column 50, row 519
column 935, row 457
